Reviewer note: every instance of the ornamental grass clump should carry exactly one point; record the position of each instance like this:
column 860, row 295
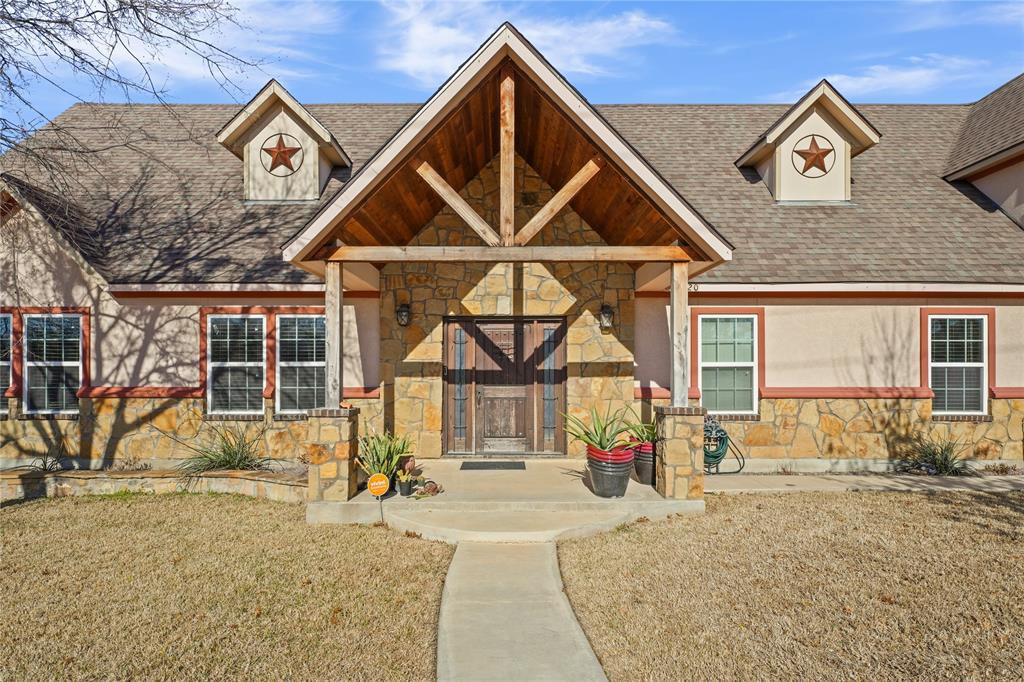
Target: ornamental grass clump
column 936, row 457
column 230, row 447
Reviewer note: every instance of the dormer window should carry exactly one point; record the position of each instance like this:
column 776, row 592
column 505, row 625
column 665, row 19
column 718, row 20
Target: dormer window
column 287, row 154
column 805, row 155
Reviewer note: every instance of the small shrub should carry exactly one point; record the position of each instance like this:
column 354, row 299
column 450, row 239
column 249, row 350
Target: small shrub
column 129, row 463
column 1002, row 469
column 229, row 448
column 936, row 457
column 381, row 453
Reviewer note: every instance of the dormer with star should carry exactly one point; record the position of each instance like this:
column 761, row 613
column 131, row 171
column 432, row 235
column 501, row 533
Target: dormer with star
column 804, row 157
column 286, row 153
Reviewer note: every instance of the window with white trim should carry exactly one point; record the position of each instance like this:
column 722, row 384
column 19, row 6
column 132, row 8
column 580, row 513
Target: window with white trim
column 236, row 364
column 727, row 353
column 5, row 359
column 53, row 363
column 301, row 362
column 958, row 363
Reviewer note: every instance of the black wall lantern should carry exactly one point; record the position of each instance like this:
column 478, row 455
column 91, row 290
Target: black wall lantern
column 403, row 314
column 606, row 317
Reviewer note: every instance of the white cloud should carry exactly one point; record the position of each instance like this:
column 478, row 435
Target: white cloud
column 911, row 76
column 931, row 15
column 428, row 41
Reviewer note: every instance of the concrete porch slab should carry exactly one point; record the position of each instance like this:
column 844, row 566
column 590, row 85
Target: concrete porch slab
column 547, row 500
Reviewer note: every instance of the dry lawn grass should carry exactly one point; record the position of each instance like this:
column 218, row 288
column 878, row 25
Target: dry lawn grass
column 870, row 586
column 211, row 587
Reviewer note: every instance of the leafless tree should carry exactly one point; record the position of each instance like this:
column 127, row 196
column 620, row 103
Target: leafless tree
column 111, row 45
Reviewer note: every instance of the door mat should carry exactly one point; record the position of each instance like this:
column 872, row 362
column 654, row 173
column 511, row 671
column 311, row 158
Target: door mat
column 479, row 466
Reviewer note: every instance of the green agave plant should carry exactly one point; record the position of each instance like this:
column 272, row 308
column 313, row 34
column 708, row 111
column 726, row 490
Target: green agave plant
column 604, row 433
column 645, row 432
column 229, row 447
column 381, row 453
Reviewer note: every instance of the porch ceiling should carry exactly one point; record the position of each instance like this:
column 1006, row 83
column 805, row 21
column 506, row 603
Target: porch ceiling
column 468, row 138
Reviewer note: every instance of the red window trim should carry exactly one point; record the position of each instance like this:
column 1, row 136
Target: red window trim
column 17, row 314
column 990, row 330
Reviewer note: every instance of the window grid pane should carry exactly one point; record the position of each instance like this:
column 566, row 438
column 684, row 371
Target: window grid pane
column 302, row 356
column 728, row 344
column 52, row 339
column 236, row 349
column 957, row 375
column 52, row 388
column 5, row 359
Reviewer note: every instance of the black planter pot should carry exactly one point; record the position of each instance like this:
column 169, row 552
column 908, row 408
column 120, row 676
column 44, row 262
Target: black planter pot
column 405, row 487
column 609, row 480
column 643, row 465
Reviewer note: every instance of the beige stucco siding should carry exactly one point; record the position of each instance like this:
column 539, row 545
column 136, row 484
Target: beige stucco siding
column 1006, row 188
column 832, row 342
column 146, row 342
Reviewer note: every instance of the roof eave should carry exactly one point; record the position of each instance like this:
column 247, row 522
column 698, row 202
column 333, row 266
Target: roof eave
column 988, row 164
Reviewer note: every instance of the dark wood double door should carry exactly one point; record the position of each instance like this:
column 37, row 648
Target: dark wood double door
column 504, row 386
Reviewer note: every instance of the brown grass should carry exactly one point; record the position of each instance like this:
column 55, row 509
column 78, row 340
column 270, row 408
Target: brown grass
column 868, row 586
column 207, row 587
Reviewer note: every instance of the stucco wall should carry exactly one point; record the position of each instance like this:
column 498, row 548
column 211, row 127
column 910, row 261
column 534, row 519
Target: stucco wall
column 600, row 366
column 1006, row 188
column 147, row 342
column 835, row 342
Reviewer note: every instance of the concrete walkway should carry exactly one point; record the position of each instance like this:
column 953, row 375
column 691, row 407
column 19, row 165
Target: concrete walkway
column 504, row 616
column 753, row 483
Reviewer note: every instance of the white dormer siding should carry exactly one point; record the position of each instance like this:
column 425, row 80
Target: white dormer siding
column 790, row 184
column 274, row 118
column 310, row 171
column 822, row 124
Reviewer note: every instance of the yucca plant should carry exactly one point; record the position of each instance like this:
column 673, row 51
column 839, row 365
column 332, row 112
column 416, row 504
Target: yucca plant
column 603, row 433
column 380, row 453
column 937, row 457
column 230, row 447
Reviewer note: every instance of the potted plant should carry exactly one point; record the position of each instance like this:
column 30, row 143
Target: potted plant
column 642, row 435
column 609, row 457
column 381, row 453
column 406, row 476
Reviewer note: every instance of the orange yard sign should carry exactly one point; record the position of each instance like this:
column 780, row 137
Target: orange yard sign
column 378, row 484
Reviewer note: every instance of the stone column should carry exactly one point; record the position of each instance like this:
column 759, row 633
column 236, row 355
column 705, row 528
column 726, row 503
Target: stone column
column 332, row 445
column 679, row 452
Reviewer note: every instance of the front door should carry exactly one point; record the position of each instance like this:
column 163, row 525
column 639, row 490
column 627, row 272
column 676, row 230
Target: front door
column 505, row 386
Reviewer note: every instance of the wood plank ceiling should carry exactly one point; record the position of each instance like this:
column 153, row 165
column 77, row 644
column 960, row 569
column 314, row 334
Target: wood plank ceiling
column 464, row 142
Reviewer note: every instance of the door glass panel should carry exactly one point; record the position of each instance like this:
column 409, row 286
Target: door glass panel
column 549, row 380
column 460, row 387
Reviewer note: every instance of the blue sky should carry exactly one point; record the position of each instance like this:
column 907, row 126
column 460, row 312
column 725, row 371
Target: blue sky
column 400, row 51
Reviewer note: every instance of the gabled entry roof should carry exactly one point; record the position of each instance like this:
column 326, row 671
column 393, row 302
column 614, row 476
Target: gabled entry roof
column 551, row 93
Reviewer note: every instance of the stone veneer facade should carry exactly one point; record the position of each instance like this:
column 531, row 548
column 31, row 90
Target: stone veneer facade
column 110, row 430
column 870, row 429
column 600, row 365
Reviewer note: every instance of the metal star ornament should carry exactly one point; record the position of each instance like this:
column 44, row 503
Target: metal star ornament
column 814, row 156
column 281, row 154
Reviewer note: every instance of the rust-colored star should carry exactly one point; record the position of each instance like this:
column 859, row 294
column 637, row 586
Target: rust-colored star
column 280, row 154
column 814, row 156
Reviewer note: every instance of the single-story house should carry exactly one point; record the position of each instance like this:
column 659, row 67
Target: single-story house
column 825, row 278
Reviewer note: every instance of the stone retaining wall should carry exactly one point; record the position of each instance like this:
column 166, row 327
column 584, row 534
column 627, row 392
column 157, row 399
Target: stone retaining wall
column 29, row 484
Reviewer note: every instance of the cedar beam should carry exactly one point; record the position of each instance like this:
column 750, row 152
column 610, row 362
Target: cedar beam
column 458, row 204
column 334, row 306
column 510, row 254
column 508, row 158
column 679, row 321
column 558, row 202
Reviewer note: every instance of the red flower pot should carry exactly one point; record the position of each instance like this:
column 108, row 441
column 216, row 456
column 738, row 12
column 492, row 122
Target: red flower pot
column 620, row 455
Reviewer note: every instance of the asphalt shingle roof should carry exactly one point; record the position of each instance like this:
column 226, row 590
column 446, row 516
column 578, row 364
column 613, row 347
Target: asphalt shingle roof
column 995, row 123
column 167, row 206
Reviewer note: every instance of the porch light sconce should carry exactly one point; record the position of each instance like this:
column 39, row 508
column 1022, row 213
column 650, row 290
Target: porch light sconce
column 403, row 314
column 605, row 318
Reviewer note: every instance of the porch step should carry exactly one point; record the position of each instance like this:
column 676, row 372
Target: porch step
column 508, row 526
